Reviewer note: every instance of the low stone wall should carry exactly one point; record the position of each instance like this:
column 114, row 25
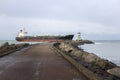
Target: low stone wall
column 91, row 61
column 6, row 48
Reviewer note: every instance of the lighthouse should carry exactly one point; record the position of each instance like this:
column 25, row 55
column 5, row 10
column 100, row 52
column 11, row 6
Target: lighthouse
column 79, row 36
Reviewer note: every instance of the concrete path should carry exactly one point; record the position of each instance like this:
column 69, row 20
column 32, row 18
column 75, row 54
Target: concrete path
column 39, row 62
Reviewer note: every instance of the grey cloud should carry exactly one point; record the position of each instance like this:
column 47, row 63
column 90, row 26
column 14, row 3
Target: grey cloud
column 87, row 16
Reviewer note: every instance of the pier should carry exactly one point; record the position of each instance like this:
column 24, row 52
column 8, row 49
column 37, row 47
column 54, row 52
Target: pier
column 54, row 61
column 37, row 62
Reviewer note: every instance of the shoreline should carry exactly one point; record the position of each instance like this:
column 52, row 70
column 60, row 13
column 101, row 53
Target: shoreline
column 107, row 50
column 94, row 63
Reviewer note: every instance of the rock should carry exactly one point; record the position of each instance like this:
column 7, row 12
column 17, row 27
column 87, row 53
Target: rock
column 91, row 57
column 26, row 44
column 84, row 55
column 4, row 45
column 78, row 54
column 81, row 42
column 114, row 71
column 68, row 50
column 102, row 63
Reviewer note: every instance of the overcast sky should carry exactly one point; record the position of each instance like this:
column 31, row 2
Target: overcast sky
column 95, row 19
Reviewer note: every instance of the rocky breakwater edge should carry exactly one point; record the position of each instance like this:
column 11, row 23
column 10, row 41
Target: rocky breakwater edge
column 91, row 65
column 7, row 48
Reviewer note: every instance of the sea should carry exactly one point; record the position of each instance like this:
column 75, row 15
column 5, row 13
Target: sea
column 107, row 49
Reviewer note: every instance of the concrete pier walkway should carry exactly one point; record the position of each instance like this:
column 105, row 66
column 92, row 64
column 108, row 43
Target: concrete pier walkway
column 38, row 62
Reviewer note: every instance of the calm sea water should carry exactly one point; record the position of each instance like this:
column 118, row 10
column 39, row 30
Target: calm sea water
column 106, row 49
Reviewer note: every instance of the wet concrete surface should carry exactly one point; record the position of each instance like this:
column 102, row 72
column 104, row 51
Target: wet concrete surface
column 38, row 62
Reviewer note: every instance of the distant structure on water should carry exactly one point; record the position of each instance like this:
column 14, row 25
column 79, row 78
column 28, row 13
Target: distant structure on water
column 46, row 38
column 79, row 36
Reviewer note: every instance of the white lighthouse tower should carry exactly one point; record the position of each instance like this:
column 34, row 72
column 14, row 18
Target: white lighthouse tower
column 79, row 36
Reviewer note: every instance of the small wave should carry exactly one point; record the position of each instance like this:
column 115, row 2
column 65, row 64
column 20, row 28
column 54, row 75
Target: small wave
column 97, row 43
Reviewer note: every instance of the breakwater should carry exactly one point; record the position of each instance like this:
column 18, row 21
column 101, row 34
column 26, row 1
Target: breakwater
column 98, row 66
column 7, row 48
